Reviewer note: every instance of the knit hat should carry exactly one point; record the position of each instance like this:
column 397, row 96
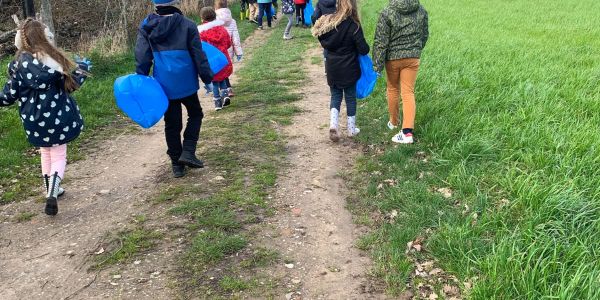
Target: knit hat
column 165, row 2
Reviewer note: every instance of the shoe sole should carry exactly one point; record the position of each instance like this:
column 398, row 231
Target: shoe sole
column 51, row 206
column 333, row 135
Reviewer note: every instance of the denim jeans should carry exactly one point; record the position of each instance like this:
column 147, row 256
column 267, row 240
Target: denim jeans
column 262, row 9
column 349, row 93
column 173, row 125
column 220, row 89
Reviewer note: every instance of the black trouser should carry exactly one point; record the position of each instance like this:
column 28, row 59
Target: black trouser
column 173, row 126
column 300, row 13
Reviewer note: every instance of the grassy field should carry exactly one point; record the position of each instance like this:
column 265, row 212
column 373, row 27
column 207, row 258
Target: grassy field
column 504, row 181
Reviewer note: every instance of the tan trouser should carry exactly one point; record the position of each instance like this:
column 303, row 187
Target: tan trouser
column 401, row 79
column 253, row 11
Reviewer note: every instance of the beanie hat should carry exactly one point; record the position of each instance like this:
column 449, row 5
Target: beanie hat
column 165, row 2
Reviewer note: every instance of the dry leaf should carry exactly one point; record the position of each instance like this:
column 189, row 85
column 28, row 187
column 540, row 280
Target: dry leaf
column 446, row 192
column 450, row 290
column 433, row 296
column 435, row 271
column 100, row 251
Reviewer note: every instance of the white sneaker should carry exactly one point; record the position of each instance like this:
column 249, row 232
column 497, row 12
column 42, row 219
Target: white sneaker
column 287, row 37
column 354, row 132
column 402, row 138
column 391, row 126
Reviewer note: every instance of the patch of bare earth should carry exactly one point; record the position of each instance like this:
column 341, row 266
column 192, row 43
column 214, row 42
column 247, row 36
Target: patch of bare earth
column 312, row 229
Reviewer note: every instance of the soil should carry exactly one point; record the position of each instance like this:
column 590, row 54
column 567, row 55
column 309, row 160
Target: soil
column 313, row 230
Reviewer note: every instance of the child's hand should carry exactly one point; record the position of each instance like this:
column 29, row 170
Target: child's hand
column 84, row 61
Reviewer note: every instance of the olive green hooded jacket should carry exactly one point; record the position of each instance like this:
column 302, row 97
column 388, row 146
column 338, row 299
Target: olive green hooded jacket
column 402, row 32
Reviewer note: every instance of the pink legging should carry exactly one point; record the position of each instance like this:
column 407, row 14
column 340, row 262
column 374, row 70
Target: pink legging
column 54, row 159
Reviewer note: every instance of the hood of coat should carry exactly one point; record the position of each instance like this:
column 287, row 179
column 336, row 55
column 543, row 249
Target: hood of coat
column 331, row 40
column 224, row 14
column 36, row 75
column 405, row 6
column 210, row 25
column 159, row 28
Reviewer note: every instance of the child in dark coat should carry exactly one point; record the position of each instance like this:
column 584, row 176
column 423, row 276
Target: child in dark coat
column 41, row 80
column 342, row 36
column 170, row 42
column 213, row 32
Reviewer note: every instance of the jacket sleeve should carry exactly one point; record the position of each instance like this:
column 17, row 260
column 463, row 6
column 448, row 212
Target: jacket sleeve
column 10, row 93
column 361, row 43
column 425, row 34
column 198, row 56
column 143, row 54
column 237, row 42
column 381, row 42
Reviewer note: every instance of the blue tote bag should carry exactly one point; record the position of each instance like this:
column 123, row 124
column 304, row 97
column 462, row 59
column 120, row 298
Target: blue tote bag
column 308, row 12
column 368, row 77
column 141, row 98
column 216, row 59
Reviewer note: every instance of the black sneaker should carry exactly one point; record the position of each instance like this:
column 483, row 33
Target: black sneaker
column 226, row 101
column 178, row 170
column 189, row 159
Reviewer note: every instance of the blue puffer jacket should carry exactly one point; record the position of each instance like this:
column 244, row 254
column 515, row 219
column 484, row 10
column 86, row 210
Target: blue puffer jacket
column 173, row 45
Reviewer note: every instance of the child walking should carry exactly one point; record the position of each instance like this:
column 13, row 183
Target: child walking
column 213, row 32
column 341, row 35
column 288, row 8
column 401, row 35
column 170, row 42
column 235, row 51
column 300, row 6
column 41, row 80
column 265, row 9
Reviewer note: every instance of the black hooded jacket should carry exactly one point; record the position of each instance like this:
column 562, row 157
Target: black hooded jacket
column 344, row 44
column 324, row 7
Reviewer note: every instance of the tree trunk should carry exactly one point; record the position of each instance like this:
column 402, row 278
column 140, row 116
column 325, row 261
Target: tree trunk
column 28, row 9
column 46, row 17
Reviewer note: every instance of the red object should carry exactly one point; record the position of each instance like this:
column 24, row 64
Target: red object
column 299, row 1
column 215, row 34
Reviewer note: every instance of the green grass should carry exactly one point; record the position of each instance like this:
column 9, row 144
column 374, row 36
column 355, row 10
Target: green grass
column 25, row 216
column 508, row 116
column 126, row 246
column 250, row 152
column 17, row 157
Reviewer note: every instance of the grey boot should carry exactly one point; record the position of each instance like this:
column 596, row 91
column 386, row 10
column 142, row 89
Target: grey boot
column 188, row 156
column 52, row 196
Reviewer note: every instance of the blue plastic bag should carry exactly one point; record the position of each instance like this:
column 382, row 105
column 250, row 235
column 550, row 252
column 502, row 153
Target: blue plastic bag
column 308, row 12
column 141, row 98
column 216, row 59
column 368, row 77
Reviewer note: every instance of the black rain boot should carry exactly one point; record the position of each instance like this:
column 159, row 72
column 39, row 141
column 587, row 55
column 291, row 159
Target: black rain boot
column 52, row 197
column 188, row 156
column 178, row 170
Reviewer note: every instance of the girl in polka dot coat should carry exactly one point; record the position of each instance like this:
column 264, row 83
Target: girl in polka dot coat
column 40, row 82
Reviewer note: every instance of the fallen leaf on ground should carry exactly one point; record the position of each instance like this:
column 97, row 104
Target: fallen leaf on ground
column 446, row 192
column 450, row 290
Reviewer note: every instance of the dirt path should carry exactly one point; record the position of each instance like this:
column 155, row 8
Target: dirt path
column 49, row 258
column 314, row 232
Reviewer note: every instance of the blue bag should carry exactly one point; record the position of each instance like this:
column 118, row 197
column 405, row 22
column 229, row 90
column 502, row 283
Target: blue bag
column 308, row 12
column 216, row 59
column 368, row 77
column 141, row 98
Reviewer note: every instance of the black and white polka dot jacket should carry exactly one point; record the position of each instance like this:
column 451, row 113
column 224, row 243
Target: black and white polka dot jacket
column 50, row 115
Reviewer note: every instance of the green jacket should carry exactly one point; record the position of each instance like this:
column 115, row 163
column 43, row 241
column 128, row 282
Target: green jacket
column 402, row 32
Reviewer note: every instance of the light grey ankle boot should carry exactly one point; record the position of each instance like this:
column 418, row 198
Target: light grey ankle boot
column 352, row 130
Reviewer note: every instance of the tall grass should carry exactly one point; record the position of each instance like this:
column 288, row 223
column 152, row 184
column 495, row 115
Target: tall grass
column 508, row 112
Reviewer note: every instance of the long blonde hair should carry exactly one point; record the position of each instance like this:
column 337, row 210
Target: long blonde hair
column 34, row 41
column 345, row 9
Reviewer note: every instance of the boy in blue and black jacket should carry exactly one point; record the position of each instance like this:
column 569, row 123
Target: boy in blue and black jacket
column 170, row 42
